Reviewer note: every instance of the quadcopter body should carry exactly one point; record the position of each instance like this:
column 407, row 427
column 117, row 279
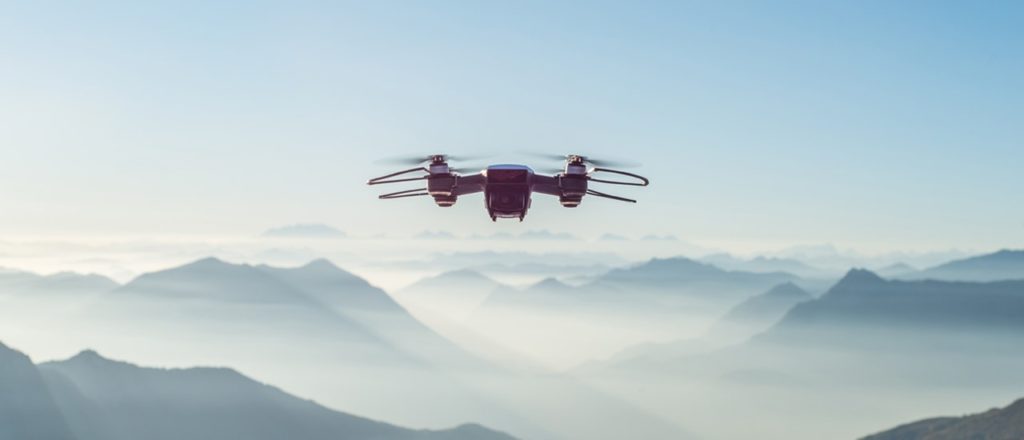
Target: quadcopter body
column 507, row 188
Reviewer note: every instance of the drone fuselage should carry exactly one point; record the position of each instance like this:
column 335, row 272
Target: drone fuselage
column 507, row 188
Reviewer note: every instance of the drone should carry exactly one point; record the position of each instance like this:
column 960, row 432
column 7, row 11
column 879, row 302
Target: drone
column 507, row 188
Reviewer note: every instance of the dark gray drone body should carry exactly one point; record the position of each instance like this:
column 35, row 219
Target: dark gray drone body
column 507, row 188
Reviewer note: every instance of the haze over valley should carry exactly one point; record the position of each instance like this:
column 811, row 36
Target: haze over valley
column 679, row 346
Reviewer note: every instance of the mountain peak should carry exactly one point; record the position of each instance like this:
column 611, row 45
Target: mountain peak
column 321, row 264
column 550, row 283
column 208, row 262
column 676, row 263
column 1008, row 254
column 87, row 355
column 787, row 289
column 467, row 274
column 857, row 276
column 320, row 268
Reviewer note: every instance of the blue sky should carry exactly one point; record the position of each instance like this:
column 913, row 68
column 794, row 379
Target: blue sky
column 870, row 124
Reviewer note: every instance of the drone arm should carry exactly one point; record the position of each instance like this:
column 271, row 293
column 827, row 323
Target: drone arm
column 609, row 196
column 546, row 185
column 407, row 193
column 639, row 180
column 470, row 184
column 390, row 178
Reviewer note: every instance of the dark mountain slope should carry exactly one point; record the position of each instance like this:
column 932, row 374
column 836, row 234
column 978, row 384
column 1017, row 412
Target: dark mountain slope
column 769, row 306
column 356, row 300
column 995, row 424
column 330, row 285
column 212, row 403
column 758, row 313
column 687, row 279
column 1003, row 265
column 863, row 304
column 213, row 279
column 27, row 410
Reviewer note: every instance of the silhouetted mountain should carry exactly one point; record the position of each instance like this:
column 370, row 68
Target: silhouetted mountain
column 15, row 281
column 27, row 410
column 310, row 230
column 453, row 294
column 319, row 295
column 110, row 400
column 1002, row 265
column 863, row 308
column 548, row 293
column 995, row 424
column 465, row 279
column 332, row 286
column 214, row 279
column 553, row 260
column 747, row 318
column 686, row 279
column 759, row 312
column 763, row 264
column 896, row 270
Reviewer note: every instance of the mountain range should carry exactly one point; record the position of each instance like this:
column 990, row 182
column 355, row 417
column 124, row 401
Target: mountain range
column 17, row 281
column 766, row 264
column 1002, row 265
column 317, row 293
column 995, row 424
column 683, row 283
column 864, row 308
column 89, row 397
column 304, row 230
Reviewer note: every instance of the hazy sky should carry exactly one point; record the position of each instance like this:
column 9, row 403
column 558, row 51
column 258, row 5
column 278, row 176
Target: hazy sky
column 867, row 123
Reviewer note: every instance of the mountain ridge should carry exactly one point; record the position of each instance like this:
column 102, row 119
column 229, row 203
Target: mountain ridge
column 995, row 424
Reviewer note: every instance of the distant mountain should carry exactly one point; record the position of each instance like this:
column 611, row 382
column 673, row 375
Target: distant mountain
column 744, row 320
column 864, row 310
column 308, row 230
column 89, row 397
column 27, row 409
column 654, row 237
column 461, row 260
column 435, row 235
column 690, row 281
column 1002, row 265
column 214, row 296
column 542, row 269
column 995, row 424
column 465, row 279
column 543, row 234
column 549, row 292
column 662, row 299
column 15, row 281
column 452, row 294
column 214, row 279
column 328, row 284
column 765, row 264
column 612, row 237
column 316, row 298
column 896, row 270
column 759, row 312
